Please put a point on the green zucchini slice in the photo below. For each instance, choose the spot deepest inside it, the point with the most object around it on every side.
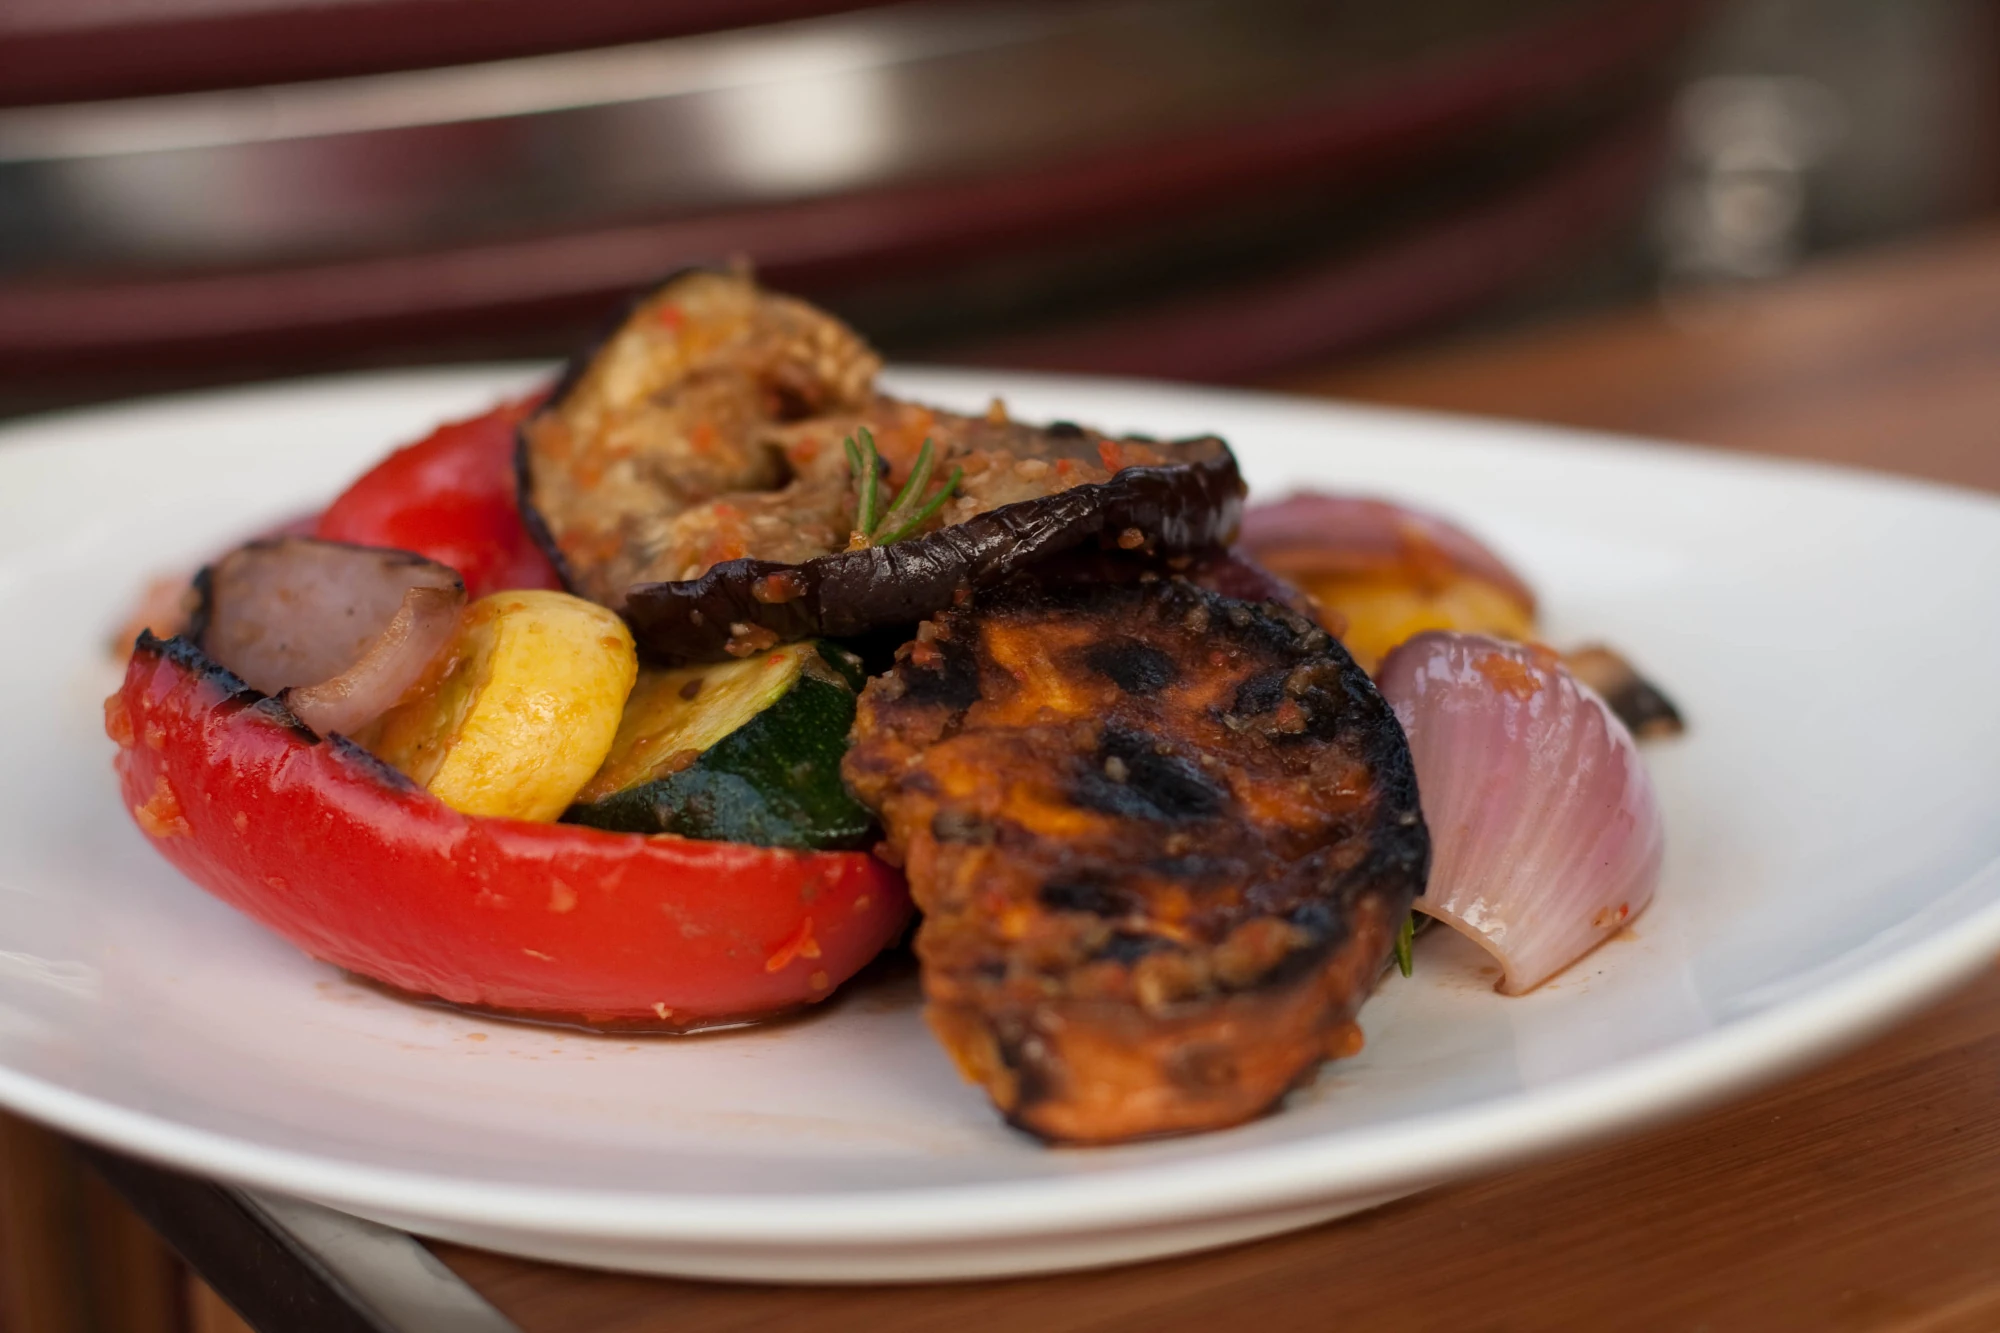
(745, 751)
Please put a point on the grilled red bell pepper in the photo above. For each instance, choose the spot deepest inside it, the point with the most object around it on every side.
(351, 862)
(450, 496)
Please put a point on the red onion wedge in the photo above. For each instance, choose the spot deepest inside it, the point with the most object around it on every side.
(342, 632)
(391, 666)
(1313, 535)
(1545, 831)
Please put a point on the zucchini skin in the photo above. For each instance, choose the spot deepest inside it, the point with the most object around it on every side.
(773, 782)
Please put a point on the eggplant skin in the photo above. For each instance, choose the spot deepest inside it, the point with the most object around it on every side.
(1163, 840)
(689, 471)
(1182, 507)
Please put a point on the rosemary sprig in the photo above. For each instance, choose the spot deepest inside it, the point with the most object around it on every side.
(1406, 938)
(867, 475)
(905, 513)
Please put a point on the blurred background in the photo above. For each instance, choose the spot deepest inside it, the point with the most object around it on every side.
(205, 191)
(1279, 192)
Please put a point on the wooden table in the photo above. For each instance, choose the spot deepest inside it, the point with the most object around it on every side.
(1862, 1197)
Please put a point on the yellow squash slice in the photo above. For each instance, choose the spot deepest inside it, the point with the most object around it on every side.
(523, 708)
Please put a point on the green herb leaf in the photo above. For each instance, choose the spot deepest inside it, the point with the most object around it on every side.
(877, 527)
(931, 506)
(1405, 939)
(913, 489)
(866, 464)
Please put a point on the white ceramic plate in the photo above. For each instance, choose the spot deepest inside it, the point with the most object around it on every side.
(1833, 860)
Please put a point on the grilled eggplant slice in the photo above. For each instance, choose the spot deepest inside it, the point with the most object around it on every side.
(743, 751)
(1163, 840)
(690, 473)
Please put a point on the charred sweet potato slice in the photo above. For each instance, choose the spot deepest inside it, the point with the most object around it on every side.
(1163, 840)
(690, 472)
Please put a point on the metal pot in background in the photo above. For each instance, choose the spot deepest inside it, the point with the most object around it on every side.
(1199, 188)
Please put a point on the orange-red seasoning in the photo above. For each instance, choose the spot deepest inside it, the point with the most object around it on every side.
(783, 586)
(160, 816)
(1508, 676)
(118, 721)
(800, 945)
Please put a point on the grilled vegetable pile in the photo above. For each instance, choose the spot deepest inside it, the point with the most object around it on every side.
(652, 700)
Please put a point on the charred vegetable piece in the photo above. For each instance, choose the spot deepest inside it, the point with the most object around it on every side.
(523, 711)
(1164, 841)
(342, 632)
(289, 611)
(639, 462)
(694, 472)
(743, 751)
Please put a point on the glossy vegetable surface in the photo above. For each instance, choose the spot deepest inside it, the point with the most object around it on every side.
(1547, 830)
(744, 751)
(450, 496)
(524, 711)
(346, 859)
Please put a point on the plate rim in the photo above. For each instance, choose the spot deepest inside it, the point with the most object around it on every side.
(1408, 1153)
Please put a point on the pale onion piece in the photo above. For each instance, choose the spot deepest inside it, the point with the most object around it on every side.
(389, 669)
(1546, 834)
(1313, 535)
(294, 611)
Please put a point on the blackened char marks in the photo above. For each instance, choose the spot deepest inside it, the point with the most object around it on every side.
(949, 678)
(1162, 840)
(1096, 899)
(1136, 668)
(1260, 694)
(1138, 776)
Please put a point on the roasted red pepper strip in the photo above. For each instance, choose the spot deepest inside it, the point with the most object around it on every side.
(349, 861)
(450, 496)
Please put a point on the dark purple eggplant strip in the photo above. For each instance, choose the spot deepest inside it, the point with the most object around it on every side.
(1186, 507)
